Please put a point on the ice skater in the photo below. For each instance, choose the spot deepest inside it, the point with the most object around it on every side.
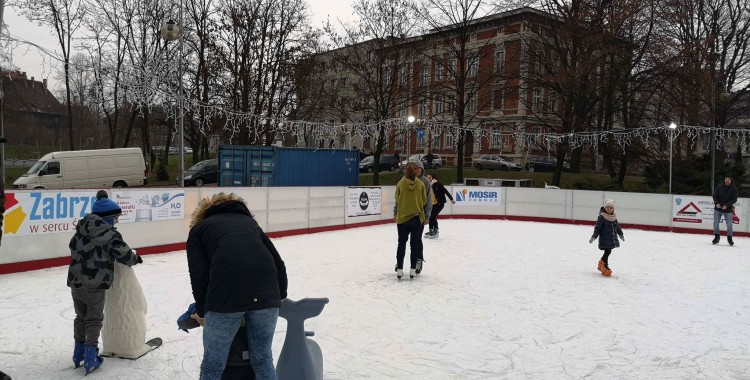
(607, 230)
(439, 194)
(420, 174)
(94, 249)
(409, 213)
(725, 196)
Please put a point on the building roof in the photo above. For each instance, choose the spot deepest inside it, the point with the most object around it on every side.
(24, 94)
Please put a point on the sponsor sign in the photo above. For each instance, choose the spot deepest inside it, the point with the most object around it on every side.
(699, 210)
(476, 196)
(363, 201)
(44, 212)
(150, 205)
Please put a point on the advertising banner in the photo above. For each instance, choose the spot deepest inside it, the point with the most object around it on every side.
(33, 213)
(699, 211)
(150, 205)
(363, 201)
(476, 196)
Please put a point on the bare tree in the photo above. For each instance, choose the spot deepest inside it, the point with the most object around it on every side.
(64, 17)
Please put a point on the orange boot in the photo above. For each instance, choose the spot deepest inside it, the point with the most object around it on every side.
(601, 266)
(606, 271)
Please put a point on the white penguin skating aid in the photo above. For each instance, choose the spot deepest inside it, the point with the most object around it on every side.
(124, 328)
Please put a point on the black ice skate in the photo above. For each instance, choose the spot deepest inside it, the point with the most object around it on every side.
(729, 240)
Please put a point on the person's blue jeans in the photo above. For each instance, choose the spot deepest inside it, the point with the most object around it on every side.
(219, 331)
(717, 220)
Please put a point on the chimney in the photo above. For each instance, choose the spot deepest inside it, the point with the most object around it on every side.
(23, 74)
(32, 82)
(44, 83)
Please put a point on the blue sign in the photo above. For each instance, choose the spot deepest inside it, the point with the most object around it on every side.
(420, 133)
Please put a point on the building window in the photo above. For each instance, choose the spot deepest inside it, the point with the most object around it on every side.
(452, 67)
(471, 103)
(399, 141)
(436, 140)
(495, 140)
(451, 103)
(424, 107)
(401, 107)
(438, 70)
(497, 94)
(500, 61)
(438, 102)
(536, 138)
(424, 78)
(553, 101)
(473, 66)
(449, 140)
(537, 99)
(402, 78)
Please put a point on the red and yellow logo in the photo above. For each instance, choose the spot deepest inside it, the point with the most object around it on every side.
(14, 215)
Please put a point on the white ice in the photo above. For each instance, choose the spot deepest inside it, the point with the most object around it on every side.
(496, 300)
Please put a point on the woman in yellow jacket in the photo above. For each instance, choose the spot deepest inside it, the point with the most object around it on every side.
(411, 196)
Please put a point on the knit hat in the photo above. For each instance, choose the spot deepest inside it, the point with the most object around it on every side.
(105, 207)
(609, 203)
(418, 162)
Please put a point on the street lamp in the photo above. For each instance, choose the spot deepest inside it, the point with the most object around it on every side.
(672, 127)
(170, 32)
(411, 119)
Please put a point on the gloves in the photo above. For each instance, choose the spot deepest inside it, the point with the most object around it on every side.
(138, 260)
(622, 237)
(592, 240)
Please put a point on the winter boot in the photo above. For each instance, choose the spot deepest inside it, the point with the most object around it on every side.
(729, 240)
(78, 354)
(600, 266)
(716, 239)
(412, 273)
(399, 273)
(93, 360)
(419, 266)
(606, 271)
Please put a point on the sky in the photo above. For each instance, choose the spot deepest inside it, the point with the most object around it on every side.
(35, 65)
(496, 300)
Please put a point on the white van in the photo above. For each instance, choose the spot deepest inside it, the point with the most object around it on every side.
(86, 169)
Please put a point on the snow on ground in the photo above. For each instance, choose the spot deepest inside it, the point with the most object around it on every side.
(496, 300)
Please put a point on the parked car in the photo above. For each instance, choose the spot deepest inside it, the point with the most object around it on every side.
(496, 163)
(544, 164)
(387, 162)
(437, 161)
(202, 173)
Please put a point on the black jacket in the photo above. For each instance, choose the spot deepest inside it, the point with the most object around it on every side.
(725, 196)
(607, 232)
(233, 264)
(440, 193)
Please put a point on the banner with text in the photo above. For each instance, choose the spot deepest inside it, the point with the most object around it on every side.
(363, 201)
(476, 196)
(34, 213)
(150, 205)
(699, 210)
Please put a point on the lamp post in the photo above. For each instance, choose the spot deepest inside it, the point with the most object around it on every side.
(672, 127)
(170, 32)
(411, 119)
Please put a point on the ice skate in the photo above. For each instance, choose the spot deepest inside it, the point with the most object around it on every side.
(419, 266)
(399, 273)
(729, 240)
(716, 239)
(412, 273)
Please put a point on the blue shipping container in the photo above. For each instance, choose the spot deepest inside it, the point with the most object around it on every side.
(242, 165)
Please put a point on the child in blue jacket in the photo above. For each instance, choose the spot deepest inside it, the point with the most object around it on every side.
(607, 230)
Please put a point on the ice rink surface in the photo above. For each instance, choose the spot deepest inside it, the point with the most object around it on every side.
(496, 300)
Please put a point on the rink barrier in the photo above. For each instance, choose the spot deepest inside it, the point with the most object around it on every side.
(305, 210)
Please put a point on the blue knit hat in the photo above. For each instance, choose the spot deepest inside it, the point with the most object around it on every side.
(105, 207)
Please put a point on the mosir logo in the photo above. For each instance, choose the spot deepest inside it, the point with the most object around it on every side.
(472, 196)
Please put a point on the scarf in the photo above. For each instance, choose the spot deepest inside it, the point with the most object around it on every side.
(610, 217)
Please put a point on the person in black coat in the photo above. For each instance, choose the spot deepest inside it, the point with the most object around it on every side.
(439, 194)
(725, 196)
(235, 272)
(607, 230)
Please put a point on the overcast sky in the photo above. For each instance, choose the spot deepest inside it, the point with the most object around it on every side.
(36, 65)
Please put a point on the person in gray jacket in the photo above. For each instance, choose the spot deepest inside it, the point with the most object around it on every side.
(94, 248)
(427, 211)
